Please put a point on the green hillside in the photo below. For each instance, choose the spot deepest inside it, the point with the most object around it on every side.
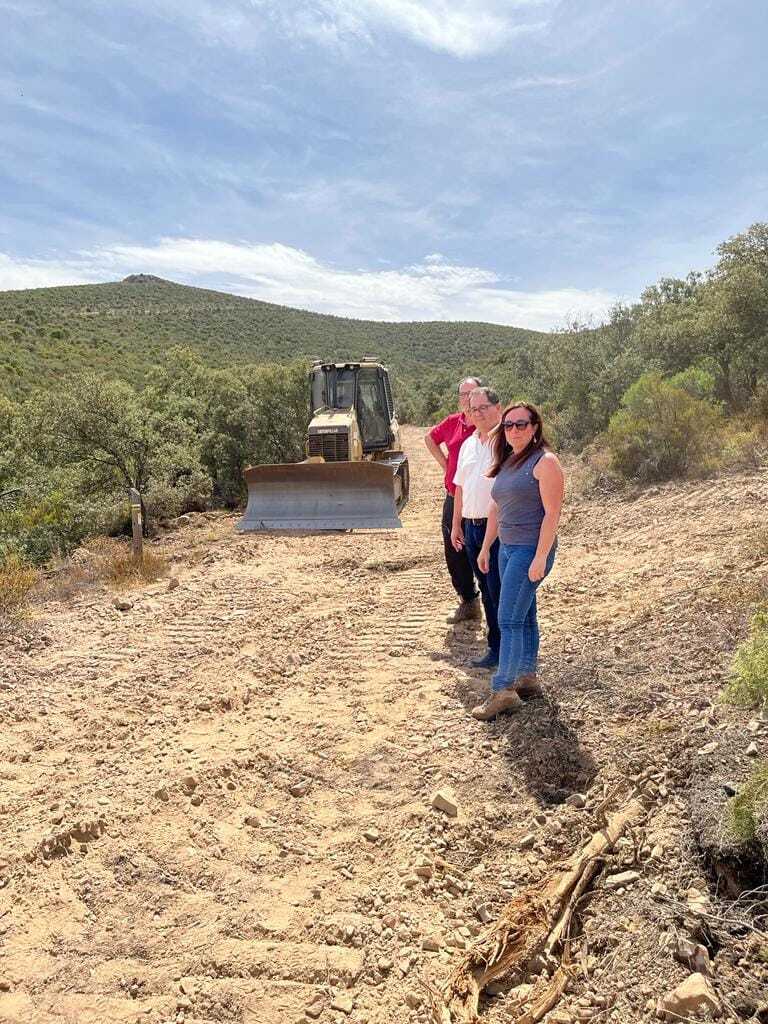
(122, 329)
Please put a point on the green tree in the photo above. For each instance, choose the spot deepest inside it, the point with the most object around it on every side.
(661, 431)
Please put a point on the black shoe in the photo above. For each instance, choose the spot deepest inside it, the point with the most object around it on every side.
(488, 660)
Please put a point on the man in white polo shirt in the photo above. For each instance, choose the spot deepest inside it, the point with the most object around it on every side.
(470, 509)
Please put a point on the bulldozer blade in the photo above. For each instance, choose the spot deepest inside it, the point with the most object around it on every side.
(320, 496)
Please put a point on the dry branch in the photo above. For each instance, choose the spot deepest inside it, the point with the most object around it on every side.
(532, 924)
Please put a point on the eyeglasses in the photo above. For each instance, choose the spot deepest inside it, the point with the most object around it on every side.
(516, 424)
(480, 408)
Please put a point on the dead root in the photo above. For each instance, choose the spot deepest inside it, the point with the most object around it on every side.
(533, 925)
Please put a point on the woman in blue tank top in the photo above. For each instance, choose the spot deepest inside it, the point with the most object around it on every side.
(528, 487)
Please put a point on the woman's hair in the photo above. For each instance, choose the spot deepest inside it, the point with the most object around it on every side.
(503, 453)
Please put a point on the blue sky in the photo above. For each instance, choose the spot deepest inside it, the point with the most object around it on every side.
(517, 161)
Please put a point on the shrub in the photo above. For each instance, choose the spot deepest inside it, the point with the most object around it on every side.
(749, 809)
(17, 578)
(662, 431)
(190, 494)
(748, 684)
(105, 560)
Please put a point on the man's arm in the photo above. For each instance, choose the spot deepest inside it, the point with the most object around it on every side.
(436, 451)
(457, 533)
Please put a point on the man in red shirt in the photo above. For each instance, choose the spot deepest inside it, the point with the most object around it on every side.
(444, 441)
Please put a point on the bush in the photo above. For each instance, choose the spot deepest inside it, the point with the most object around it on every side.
(748, 685)
(103, 560)
(166, 501)
(662, 431)
(17, 578)
(749, 810)
(114, 563)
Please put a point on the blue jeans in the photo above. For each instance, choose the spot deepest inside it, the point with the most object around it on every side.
(489, 583)
(519, 627)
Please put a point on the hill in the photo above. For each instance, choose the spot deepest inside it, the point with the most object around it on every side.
(122, 328)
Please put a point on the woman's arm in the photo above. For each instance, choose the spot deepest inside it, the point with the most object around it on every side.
(549, 473)
(491, 533)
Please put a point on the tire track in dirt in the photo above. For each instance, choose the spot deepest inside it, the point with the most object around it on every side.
(324, 667)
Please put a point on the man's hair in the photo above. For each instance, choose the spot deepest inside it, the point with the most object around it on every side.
(488, 393)
(468, 380)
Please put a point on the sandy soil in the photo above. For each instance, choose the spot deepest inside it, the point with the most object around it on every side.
(215, 805)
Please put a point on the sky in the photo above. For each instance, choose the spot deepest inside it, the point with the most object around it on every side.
(528, 162)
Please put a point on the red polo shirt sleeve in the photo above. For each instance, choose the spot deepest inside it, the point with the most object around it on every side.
(442, 431)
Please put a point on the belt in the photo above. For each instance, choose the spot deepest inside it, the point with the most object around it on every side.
(477, 522)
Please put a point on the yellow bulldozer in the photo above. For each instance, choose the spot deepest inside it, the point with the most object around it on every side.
(355, 475)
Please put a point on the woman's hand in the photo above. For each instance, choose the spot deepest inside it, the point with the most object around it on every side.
(537, 569)
(484, 560)
(457, 537)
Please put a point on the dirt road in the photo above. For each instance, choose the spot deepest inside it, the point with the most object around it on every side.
(215, 804)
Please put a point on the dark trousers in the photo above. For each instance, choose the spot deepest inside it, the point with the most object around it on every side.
(460, 570)
(490, 582)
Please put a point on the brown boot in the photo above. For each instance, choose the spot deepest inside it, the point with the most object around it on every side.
(502, 700)
(528, 685)
(466, 610)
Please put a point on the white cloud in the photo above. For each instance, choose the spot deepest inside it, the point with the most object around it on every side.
(463, 28)
(43, 273)
(432, 289)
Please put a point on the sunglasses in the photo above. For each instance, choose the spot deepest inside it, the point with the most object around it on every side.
(516, 424)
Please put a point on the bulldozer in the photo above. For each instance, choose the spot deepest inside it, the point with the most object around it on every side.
(355, 475)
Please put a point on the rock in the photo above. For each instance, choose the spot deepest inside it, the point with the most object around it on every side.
(172, 583)
(444, 800)
(527, 841)
(622, 880)
(708, 748)
(345, 1004)
(484, 913)
(576, 800)
(694, 996)
(371, 835)
(162, 794)
(752, 750)
(314, 1010)
(299, 789)
(189, 782)
(413, 1000)
(521, 992)
(122, 604)
(693, 955)
(432, 943)
(698, 902)
(5, 985)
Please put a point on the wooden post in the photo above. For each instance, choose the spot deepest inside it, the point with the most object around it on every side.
(136, 525)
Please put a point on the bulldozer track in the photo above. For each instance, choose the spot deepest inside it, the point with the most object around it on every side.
(260, 745)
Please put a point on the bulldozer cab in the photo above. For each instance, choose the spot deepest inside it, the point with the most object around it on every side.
(359, 387)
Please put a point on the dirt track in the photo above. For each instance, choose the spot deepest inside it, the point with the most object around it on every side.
(161, 745)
